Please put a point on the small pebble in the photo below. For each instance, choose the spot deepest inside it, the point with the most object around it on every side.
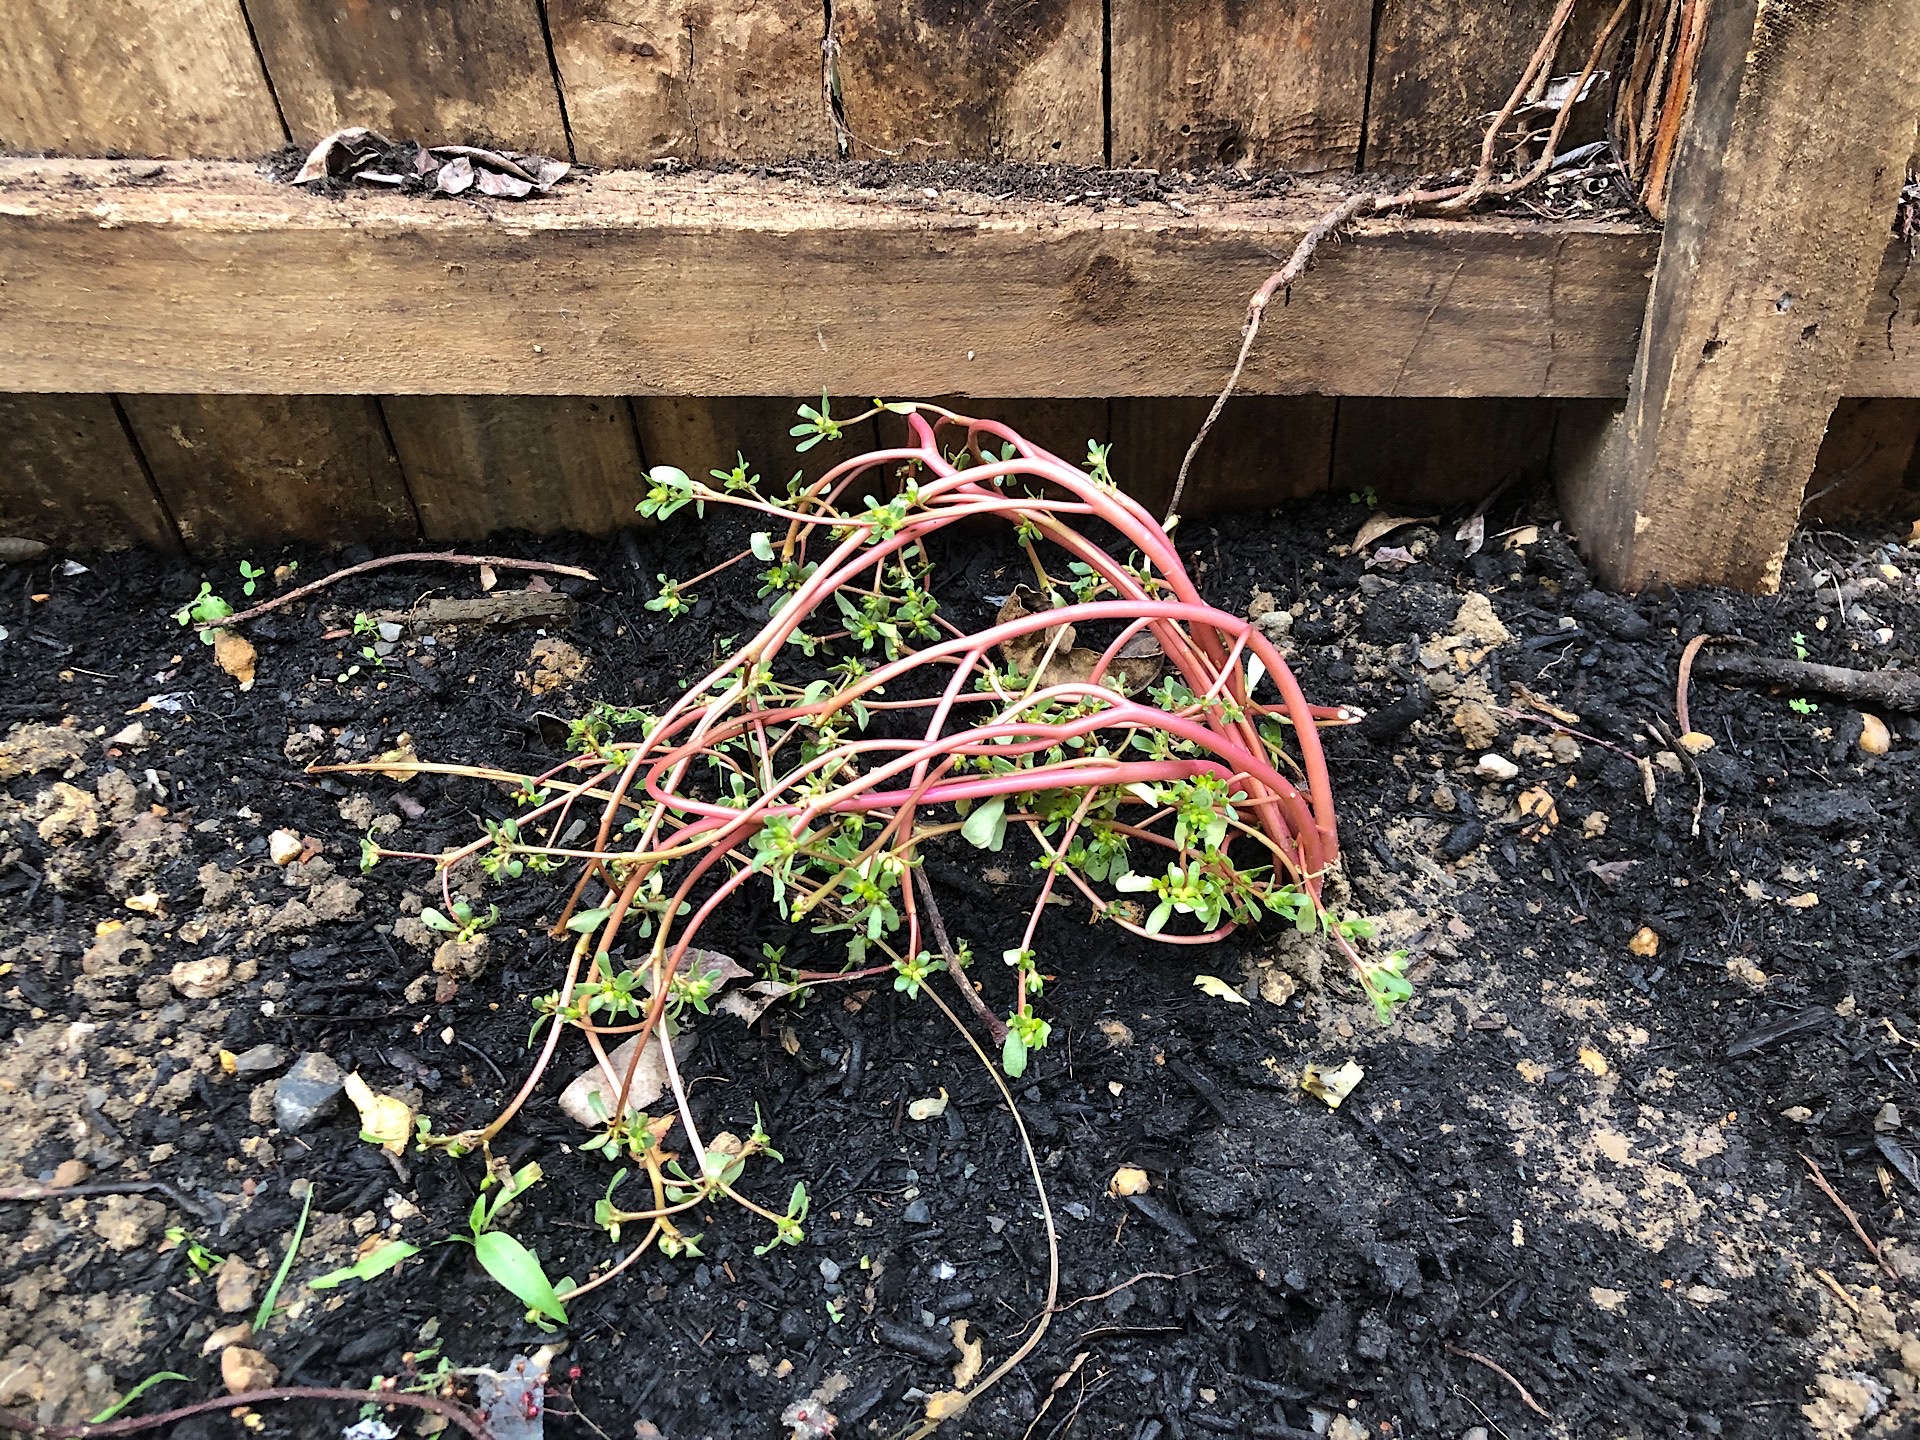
(260, 1060)
(245, 1369)
(1496, 767)
(1888, 1119)
(1874, 736)
(284, 847)
(71, 1172)
(307, 1093)
(829, 1271)
(917, 1213)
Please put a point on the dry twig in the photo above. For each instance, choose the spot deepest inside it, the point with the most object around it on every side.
(455, 1414)
(1826, 1189)
(1526, 1395)
(499, 562)
(1686, 676)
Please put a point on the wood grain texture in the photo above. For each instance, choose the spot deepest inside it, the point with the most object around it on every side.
(69, 476)
(1439, 453)
(693, 80)
(1222, 83)
(237, 470)
(1869, 463)
(700, 434)
(475, 464)
(1783, 189)
(211, 279)
(133, 77)
(1266, 449)
(1443, 68)
(437, 71)
(1017, 81)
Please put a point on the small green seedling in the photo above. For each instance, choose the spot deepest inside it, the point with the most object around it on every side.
(250, 575)
(272, 1297)
(672, 600)
(370, 1266)
(508, 1261)
(1799, 644)
(1803, 706)
(159, 1377)
(198, 1256)
(1367, 497)
(464, 925)
(203, 611)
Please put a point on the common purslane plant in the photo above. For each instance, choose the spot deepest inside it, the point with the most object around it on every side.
(1113, 716)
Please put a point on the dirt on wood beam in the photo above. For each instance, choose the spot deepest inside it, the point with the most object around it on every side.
(207, 278)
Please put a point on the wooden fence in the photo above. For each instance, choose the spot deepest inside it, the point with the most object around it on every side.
(198, 356)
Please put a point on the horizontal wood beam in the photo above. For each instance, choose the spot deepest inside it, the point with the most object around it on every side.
(185, 277)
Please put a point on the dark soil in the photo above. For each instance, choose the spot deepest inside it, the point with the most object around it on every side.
(1577, 1156)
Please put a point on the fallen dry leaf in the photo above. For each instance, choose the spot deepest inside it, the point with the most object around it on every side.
(340, 152)
(927, 1109)
(588, 1100)
(1538, 813)
(235, 655)
(1473, 533)
(972, 1353)
(1137, 666)
(1802, 902)
(1378, 526)
(1331, 1085)
(385, 1120)
(1220, 989)
(488, 579)
(401, 756)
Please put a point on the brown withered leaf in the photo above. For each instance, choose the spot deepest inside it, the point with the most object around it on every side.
(340, 152)
(1378, 526)
(509, 187)
(1138, 664)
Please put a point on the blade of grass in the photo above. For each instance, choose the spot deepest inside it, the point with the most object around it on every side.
(134, 1394)
(267, 1301)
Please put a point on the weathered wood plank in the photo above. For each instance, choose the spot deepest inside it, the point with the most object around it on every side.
(475, 464)
(211, 279)
(1886, 358)
(69, 476)
(1223, 83)
(238, 469)
(700, 434)
(1790, 160)
(1005, 80)
(438, 71)
(1443, 68)
(1869, 463)
(1265, 450)
(693, 80)
(133, 77)
(1439, 452)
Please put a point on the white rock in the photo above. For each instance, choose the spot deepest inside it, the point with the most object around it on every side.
(284, 847)
(1496, 767)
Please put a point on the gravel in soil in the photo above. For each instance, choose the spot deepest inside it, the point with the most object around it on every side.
(1651, 978)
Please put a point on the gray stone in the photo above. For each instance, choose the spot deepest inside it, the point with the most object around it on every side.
(307, 1093)
(829, 1271)
(260, 1060)
(916, 1213)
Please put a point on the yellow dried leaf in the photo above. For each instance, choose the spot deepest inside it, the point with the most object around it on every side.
(385, 1120)
(930, 1107)
(972, 1353)
(1129, 1180)
(402, 758)
(1220, 989)
(1331, 1085)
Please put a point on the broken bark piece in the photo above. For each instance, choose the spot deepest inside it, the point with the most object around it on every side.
(503, 607)
(1893, 689)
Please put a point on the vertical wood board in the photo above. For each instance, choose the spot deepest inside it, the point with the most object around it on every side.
(174, 78)
(1265, 450)
(243, 469)
(1222, 83)
(1443, 68)
(692, 80)
(437, 71)
(1014, 81)
(69, 476)
(475, 464)
(1791, 157)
